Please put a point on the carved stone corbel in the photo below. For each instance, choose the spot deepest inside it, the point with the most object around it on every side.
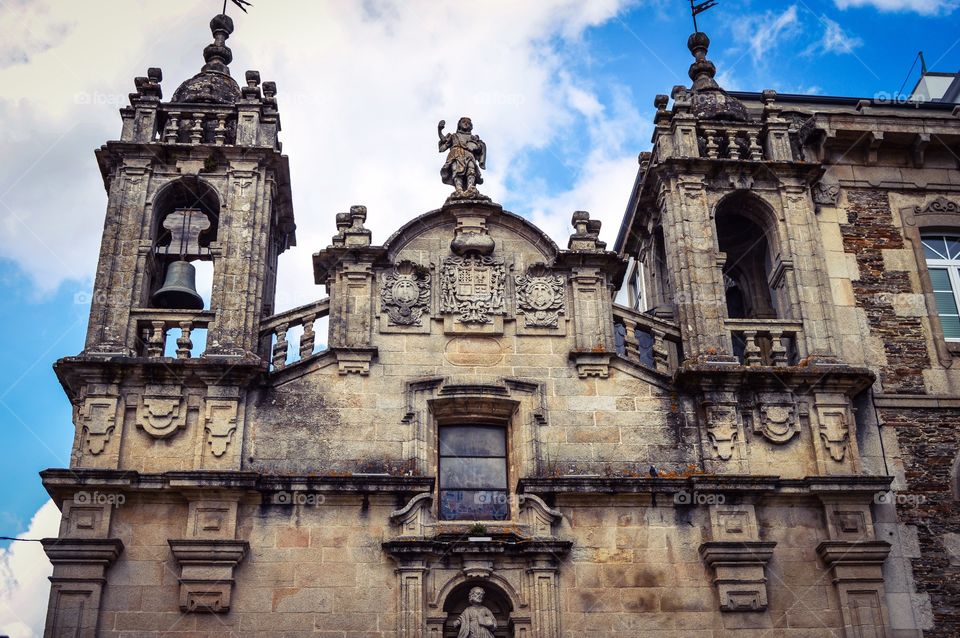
(739, 572)
(206, 572)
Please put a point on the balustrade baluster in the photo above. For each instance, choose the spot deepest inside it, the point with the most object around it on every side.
(778, 352)
(756, 153)
(280, 347)
(733, 151)
(220, 134)
(661, 356)
(184, 343)
(751, 352)
(171, 132)
(196, 130)
(307, 340)
(158, 339)
(630, 339)
(712, 148)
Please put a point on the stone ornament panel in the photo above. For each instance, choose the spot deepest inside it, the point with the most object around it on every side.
(98, 418)
(541, 297)
(161, 412)
(405, 294)
(473, 287)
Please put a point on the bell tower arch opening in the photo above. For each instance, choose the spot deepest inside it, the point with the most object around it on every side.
(746, 235)
(186, 219)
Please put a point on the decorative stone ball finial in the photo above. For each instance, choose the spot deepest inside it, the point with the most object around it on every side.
(586, 233)
(350, 229)
(218, 55)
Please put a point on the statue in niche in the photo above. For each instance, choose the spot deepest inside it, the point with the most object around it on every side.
(476, 621)
(467, 155)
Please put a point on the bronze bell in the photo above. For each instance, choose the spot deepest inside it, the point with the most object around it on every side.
(179, 289)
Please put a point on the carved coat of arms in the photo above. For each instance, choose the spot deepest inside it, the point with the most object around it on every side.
(472, 286)
(405, 293)
(540, 296)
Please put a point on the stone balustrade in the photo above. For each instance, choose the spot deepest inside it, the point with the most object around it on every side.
(154, 326)
(737, 141)
(198, 125)
(647, 340)
(273, 330)
(767, 342)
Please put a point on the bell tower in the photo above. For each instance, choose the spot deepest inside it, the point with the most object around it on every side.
(200, 178)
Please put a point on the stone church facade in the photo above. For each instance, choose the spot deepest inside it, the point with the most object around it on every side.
(765, 445)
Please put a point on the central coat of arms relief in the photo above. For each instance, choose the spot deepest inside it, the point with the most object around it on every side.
(473, 287)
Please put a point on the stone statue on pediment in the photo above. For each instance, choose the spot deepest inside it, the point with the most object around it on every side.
(467, 155)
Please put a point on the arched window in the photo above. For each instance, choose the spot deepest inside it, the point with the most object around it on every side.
(473, 473)
(942, 253)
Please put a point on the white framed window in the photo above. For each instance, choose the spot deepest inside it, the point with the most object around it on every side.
(942, 252)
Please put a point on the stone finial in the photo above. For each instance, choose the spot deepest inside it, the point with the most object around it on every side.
(661, 101)
(586, 233)
(710, 102)
(218, 55)
(149, 87)
(270, 90)
(213, 85)
(252, 90)
(350, 229)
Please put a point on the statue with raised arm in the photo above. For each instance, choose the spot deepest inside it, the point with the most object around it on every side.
(476, 621)
(467, 155)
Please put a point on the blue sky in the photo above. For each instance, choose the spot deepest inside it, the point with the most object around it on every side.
(562, 92)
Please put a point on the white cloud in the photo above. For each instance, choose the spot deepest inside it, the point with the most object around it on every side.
(24, 569)
(834, 39)
(361, 88)
(923, 7)
(765, 31)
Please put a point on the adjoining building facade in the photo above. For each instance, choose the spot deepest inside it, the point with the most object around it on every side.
(484, 443)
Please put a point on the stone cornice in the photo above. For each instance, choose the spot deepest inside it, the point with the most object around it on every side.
(743, 484)
(76, 372)
(63, 483)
